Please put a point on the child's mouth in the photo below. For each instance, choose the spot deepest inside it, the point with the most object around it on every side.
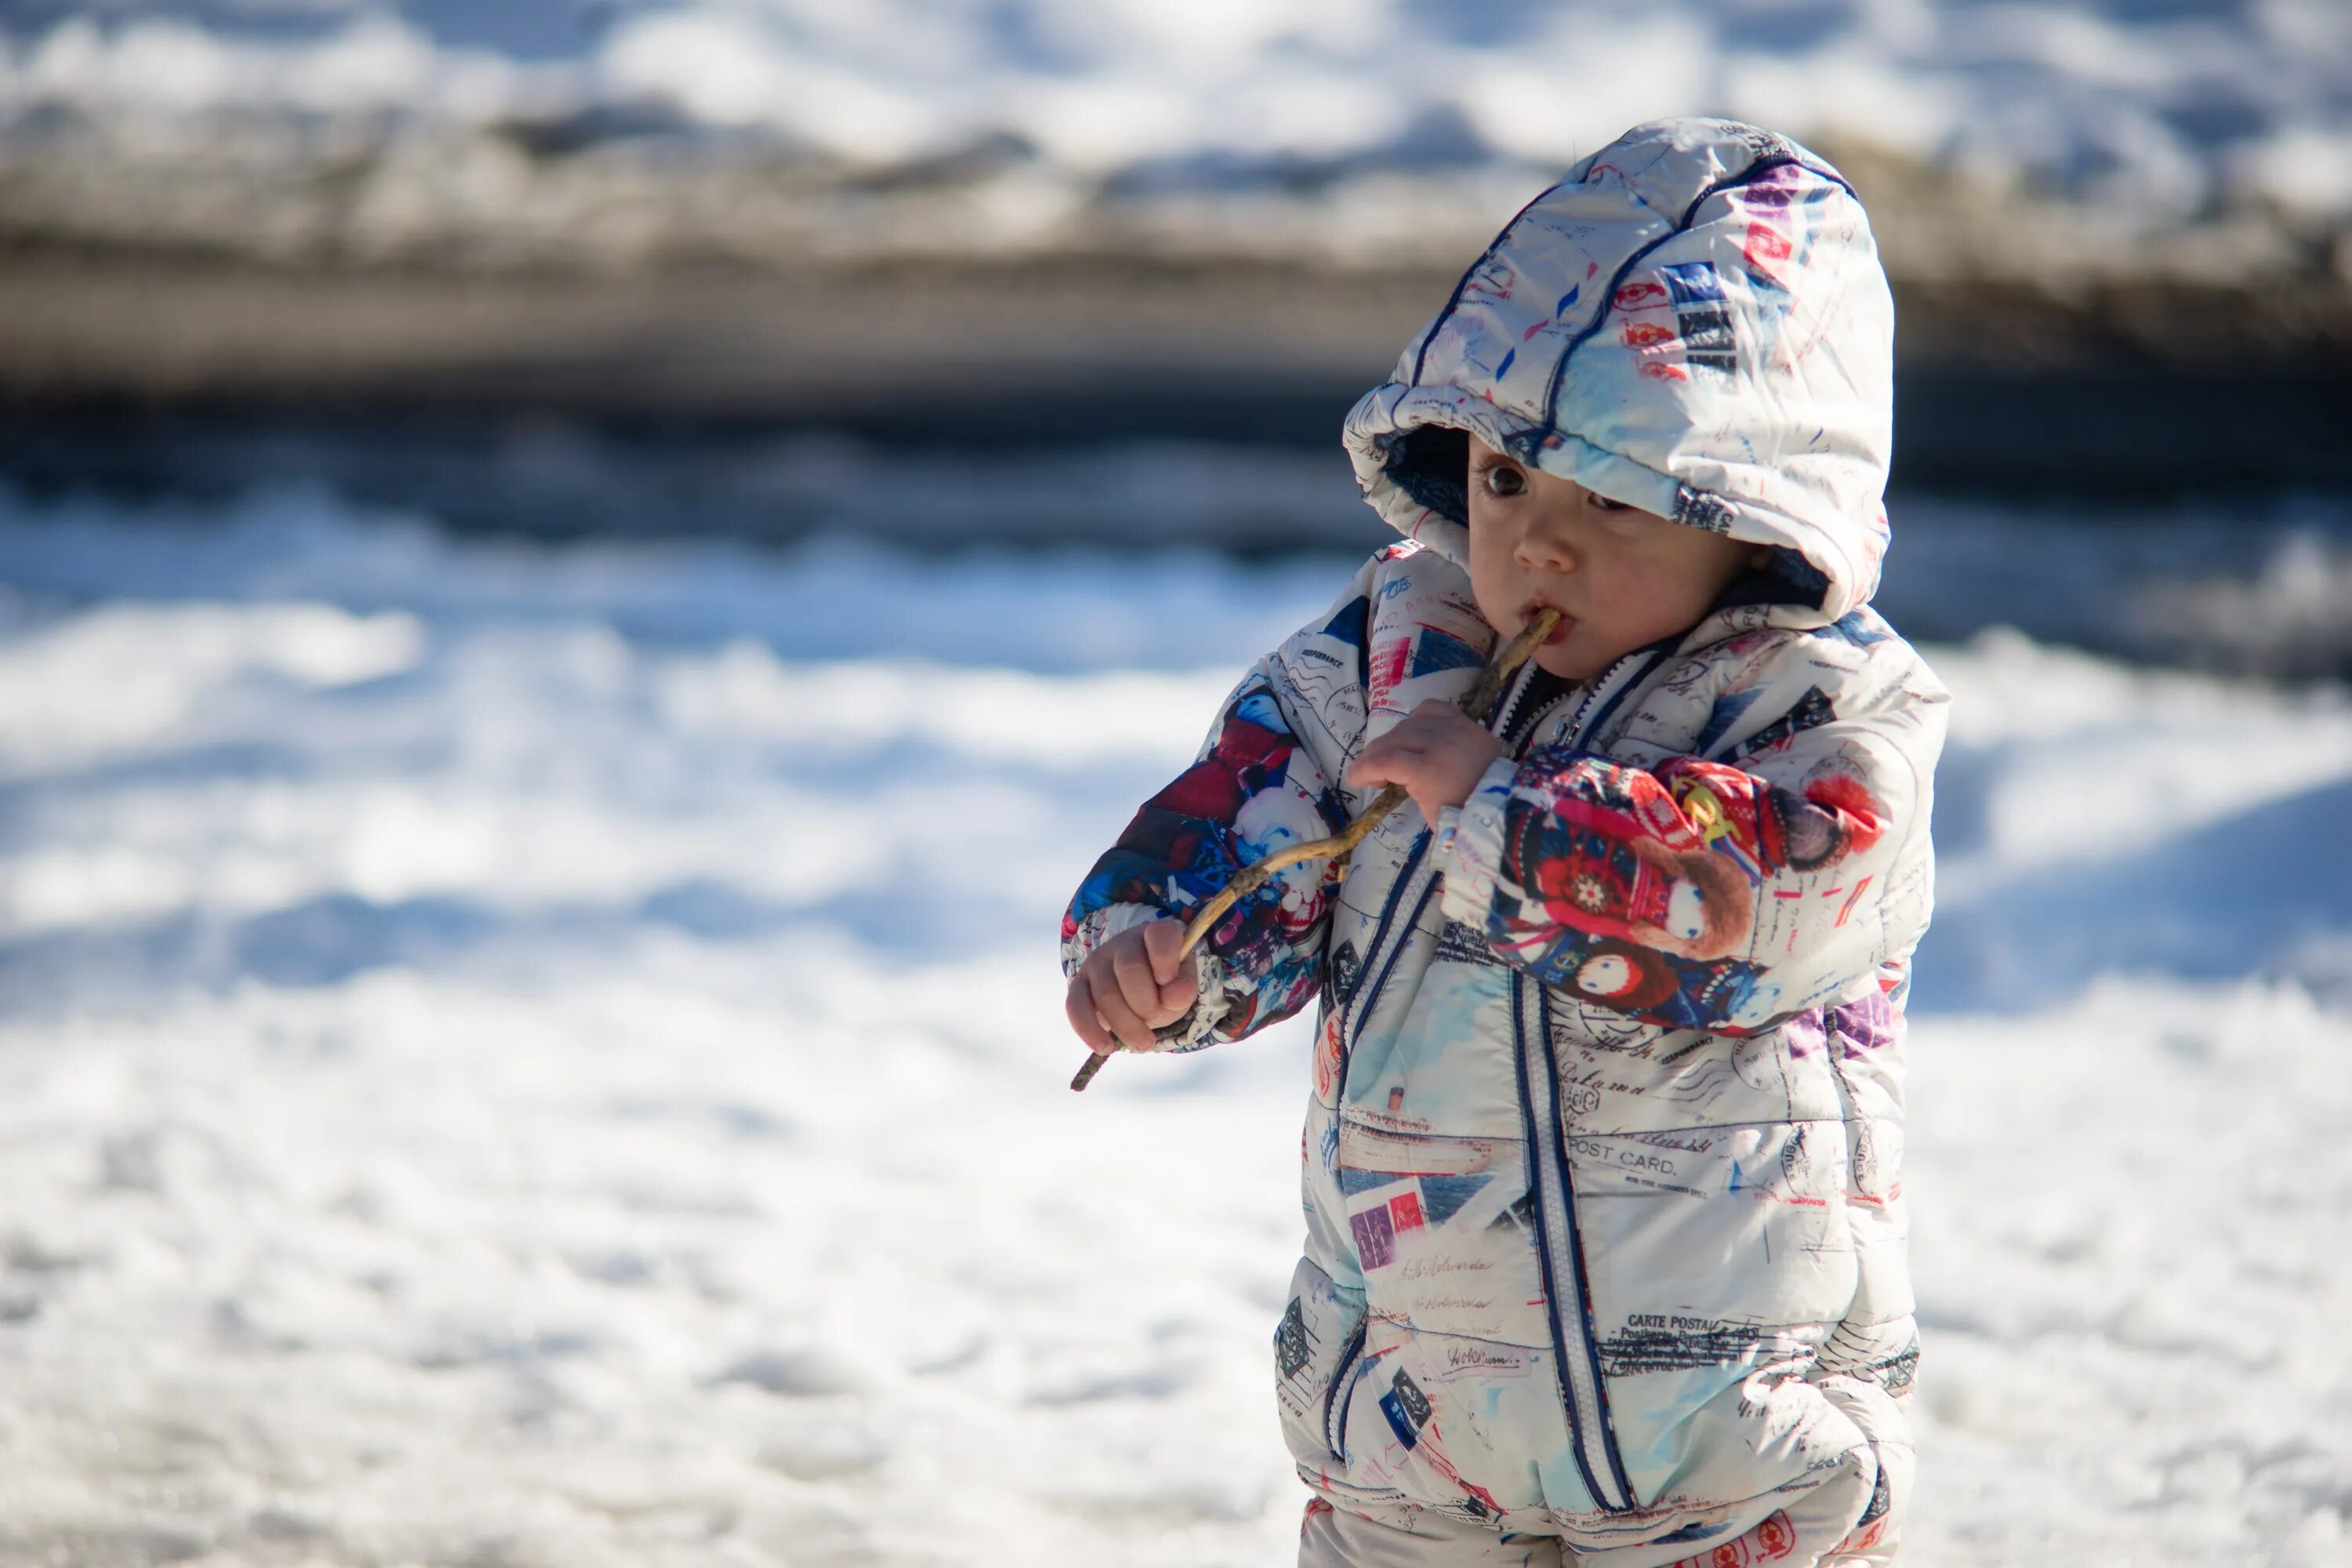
(1559, 632)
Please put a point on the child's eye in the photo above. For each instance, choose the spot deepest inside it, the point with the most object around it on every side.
(1502, 479)
(1625, 522)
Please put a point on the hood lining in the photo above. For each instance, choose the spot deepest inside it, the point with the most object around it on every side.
(1431, 463)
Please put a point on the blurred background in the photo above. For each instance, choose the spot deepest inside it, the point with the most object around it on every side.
(580, 579)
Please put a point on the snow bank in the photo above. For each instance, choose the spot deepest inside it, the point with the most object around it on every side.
(552, 1056)
(1367, 124)
(2151, 105)
(2257, 586)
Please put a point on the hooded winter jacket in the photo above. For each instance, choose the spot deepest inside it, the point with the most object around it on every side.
(1604, 1227)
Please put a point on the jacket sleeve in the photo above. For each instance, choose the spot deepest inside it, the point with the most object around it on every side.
(1267, 778)
(1722, 896)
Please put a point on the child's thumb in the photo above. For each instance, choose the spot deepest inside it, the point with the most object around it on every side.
(1163, 942)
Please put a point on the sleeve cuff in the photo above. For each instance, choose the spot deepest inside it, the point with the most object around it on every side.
(1470, 845)
(1099, 927)
(1198, 1029)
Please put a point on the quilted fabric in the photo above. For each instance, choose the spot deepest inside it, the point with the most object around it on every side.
(1604, 1220)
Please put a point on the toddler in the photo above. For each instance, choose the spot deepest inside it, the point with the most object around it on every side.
(1604, 1256)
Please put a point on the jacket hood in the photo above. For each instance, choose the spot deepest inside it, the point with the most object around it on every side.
(1693, 321)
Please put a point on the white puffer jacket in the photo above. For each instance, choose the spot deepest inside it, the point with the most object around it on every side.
(1604, 1221)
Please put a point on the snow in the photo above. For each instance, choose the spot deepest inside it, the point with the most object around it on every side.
(2129, 1238)
(2162, 107)
(535, 1055)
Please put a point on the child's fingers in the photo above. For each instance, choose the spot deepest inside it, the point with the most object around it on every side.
(1172, 969)
(1080, 1004)
(1177, 993)
(1121, 1020)
(1162, 942)
(1408, 769)
(1176, 998)
(1138, 987)
(1385, 762)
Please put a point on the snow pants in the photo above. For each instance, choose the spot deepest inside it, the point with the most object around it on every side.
(1334, 1538)
(1827, 1525)
(1417, 1538)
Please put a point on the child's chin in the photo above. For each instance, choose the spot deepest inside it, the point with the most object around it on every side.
(1566, 661)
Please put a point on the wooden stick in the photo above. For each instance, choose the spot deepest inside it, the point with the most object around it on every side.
(1258, 873)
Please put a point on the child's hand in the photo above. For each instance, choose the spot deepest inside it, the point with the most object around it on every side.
(1131, 986)
(1437, 752)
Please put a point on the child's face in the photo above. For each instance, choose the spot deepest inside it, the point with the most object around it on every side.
(1622, 578)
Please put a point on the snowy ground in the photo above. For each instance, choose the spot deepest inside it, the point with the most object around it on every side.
(2203, 141)
(519, 1058)
(2164, 105)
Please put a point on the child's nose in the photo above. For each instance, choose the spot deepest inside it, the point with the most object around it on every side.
(1544, 552)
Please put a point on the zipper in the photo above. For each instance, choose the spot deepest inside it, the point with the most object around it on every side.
(1378, 965)
(1428, 880)
(1579, 723)
(1370, 980)
(1575, 727)
(1567, 1295)
(1335, 1407)
(1592, 1436)
(1591, 1430)
(1512, 697)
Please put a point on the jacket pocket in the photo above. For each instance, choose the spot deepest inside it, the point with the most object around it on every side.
(1316, 1347)
(1336, 1396)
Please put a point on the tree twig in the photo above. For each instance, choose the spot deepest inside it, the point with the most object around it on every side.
(1258, 873)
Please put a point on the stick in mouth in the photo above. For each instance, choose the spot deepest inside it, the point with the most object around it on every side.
(1258, 873)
